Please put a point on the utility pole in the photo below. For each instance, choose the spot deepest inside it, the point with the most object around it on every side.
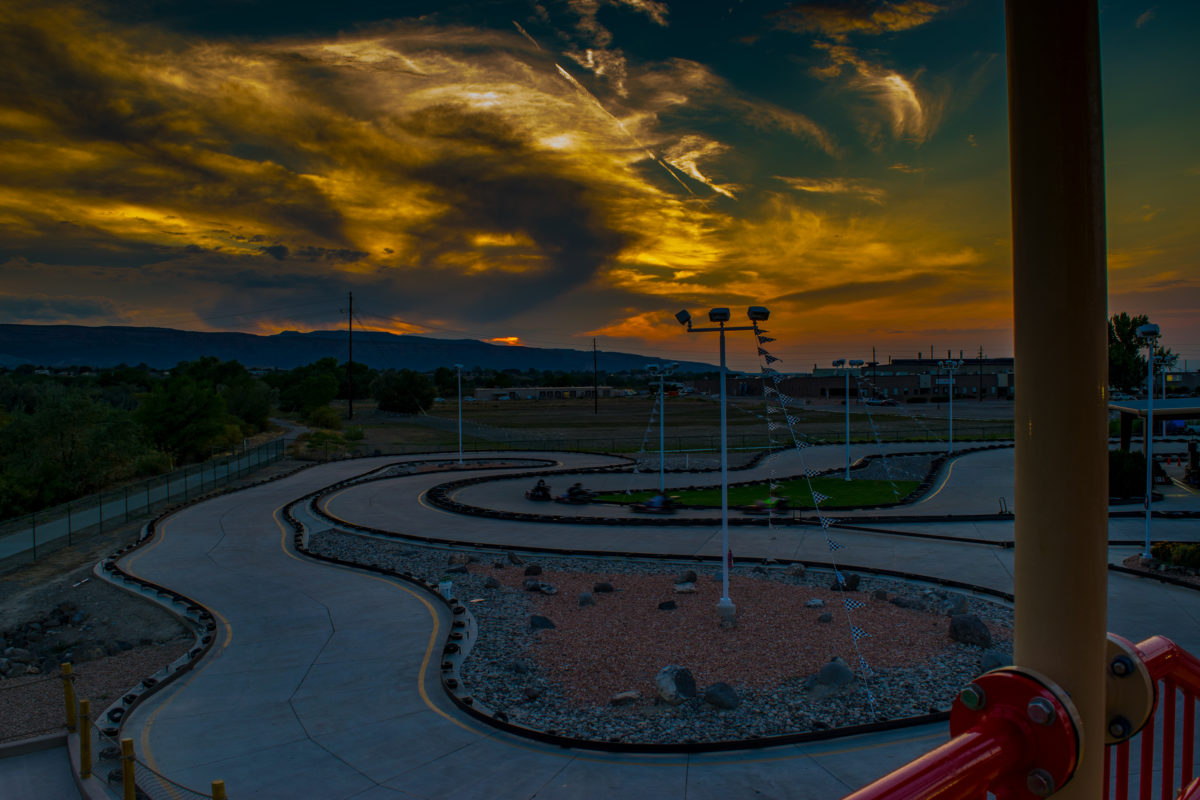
(981, 373)
(595, 380)
(350, 363)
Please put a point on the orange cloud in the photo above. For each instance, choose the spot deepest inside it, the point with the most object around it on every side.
(512, 340)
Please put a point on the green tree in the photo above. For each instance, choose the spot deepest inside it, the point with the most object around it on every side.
(403, 391)
(184, 417)
(445, 380)
(1126, 364)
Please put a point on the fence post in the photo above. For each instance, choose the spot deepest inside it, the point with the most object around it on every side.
(127, 778)
(85, 739)
(68, 681)
(218, 790)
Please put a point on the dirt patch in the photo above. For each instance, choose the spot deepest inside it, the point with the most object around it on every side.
(1151, 570)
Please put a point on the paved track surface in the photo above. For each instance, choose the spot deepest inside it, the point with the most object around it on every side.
(321, 684)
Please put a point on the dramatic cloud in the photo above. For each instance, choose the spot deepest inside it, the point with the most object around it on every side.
(839, 19)
(846, 186)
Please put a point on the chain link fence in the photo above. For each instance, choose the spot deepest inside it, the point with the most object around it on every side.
(26, 539)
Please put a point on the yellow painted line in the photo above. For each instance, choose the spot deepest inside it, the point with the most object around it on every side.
(147, 752)
(945, 480)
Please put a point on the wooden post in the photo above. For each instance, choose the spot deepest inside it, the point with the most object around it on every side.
(85, 739)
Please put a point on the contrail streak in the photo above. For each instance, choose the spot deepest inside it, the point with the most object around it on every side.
(525, 33)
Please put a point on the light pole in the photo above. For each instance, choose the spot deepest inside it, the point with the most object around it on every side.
(854, 362)
(1149, 334)
(726, 610)
(661, 370)
(951, 367)
(458, 370)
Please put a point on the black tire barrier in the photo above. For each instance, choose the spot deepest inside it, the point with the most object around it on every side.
(115, 714)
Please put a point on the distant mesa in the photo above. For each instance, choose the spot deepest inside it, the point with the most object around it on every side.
(162, 348)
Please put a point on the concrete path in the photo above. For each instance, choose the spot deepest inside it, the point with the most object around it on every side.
(323, 681)
(40, 775)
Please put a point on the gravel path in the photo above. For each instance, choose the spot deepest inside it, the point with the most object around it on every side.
(563, 679)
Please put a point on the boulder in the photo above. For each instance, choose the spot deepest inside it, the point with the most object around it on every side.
(547, 588)
(850, 585)
(954, 605)
(759, 570)
(602, 587)
(533, 569)
(586, 599)
(513, 558)
(826, 617)
(687, 576)
(901, 601)
(5, 666)
(685, 588)
(18, 654)
(491, 583)
(668, 605)
(540, 623)
(624, 698)
(879, 594)
(723, 696)
(994, 659)
(970, 629)
(814, 602)
(836, 673)
(675, 684)
(795, 571)
(532, 693)
(533, 585)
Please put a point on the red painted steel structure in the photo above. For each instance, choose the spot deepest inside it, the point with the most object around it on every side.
(994, 754)
(1176, 674)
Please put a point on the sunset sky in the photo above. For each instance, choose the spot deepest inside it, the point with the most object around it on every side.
(547, 172)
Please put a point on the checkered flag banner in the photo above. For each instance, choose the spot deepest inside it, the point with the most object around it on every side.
(770, 371)
(773, 409)
(769, 390)
(775, 486)
(833, 548)
(792, 420)
(866, 669)
(770, 359)
(853, 604)
(857, 633)
(763, 352)
(827, 521)
(812, 472)
(774, 426)
(764, 339)
(819, 498)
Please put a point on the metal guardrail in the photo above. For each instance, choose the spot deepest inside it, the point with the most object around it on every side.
(32, 536)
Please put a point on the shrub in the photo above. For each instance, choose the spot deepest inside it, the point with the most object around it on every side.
(354, 433)
(1182, 554)
(324, 417)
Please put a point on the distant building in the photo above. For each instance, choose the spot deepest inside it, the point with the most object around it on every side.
(546, 393)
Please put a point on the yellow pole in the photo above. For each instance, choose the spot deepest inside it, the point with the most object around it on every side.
(85, 739)
(1060, 316)
(127, 778)
(68, 681)
(218, 790)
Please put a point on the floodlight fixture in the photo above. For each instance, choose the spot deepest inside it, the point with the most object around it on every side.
(856, 362)
(1147, 331)
(718, 315)
(758, 314)
(684, 317)
(841, 362)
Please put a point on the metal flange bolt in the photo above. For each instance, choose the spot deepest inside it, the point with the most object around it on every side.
(1119, 728)
(1121, 666)
(1040, 711)
(1040, 783)
(973, 697)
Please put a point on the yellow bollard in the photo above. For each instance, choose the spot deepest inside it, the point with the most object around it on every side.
(68, 679)
(85, 739)
(127, 781)
(218, 790)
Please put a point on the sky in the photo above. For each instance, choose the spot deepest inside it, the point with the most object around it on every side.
(546, 173)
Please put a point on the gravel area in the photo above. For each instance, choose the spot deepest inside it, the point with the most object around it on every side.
(563, 679)
(34, 704)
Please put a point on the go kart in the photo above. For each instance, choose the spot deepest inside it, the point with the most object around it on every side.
(775, 506)
(539, 493)
(667, 507)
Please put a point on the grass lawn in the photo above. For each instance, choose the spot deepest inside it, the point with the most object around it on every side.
(840, 493)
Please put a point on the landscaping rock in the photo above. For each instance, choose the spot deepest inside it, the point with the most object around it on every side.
(533, 569)
(836, 673)
(687, 576)
(795, 571)
(533, 585)
(675, 684)
(491, 583)
(685, 588)
(969, 629)
(586, 599)
(669, 605)
(602, 587)
(624, 698)
(759, 570)
(532, 693)
(851, 583)
(458, 569)
(815, 602)
(540, 623)
(723, 696)
(994, 659)
(513, 558)
(547, 588)
(900, 601)
(826, 617)
(879, 594)
(954, 605)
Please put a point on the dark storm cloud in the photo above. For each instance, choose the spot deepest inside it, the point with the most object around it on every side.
(858, 291)
(39, 307)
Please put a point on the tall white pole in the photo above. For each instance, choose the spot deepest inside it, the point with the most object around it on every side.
(1149, 434)
(460, 443)
(951, 450)
(847, 397)
(662, 446)
(725, 608)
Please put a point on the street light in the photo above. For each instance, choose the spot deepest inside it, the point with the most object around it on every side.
(661, 370)
(1149, 334)
(854, 362)
(458, 369)
(950, 367)
(725, 607)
